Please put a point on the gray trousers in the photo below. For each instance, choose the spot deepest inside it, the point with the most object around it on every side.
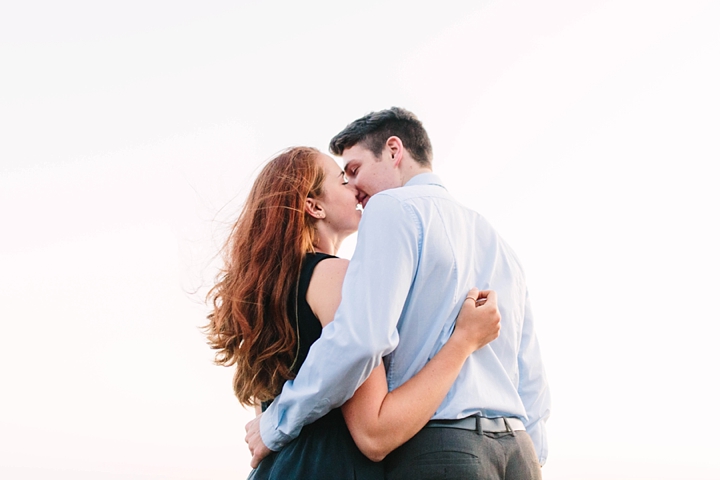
(451, 453)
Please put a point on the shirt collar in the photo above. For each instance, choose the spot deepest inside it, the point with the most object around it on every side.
(425, 179)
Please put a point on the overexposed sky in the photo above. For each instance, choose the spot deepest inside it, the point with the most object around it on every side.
(585, 131)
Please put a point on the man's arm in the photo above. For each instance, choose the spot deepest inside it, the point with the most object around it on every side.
(533, 385)
(374, 292)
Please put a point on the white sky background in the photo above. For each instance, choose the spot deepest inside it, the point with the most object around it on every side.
(585, 131)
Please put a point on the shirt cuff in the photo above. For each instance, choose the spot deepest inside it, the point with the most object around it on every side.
(273, 438)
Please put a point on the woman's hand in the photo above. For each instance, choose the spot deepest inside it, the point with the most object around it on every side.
(479, 320)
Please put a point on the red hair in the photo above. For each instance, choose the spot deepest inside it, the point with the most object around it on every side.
(249, 325)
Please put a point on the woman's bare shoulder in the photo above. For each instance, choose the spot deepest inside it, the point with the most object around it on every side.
(325, 289)
(330, 268)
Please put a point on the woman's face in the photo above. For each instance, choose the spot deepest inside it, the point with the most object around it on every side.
(339, 199)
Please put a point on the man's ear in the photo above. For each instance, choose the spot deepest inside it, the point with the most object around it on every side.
(396, 148)
(314, 208)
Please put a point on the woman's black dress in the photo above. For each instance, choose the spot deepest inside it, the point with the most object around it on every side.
(324, 449)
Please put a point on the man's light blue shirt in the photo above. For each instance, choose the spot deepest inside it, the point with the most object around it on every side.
(417, 255)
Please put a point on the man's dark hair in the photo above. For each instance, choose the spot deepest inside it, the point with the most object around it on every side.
(373, 130)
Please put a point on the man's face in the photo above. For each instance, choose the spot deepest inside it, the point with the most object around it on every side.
(368, 174)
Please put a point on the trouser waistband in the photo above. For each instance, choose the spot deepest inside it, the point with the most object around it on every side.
(481, 424)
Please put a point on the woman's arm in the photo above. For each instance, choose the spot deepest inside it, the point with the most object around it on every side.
(381, 421)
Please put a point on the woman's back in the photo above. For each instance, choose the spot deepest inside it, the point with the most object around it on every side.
(325, 449)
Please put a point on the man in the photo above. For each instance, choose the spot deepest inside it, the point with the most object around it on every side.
(418, 252)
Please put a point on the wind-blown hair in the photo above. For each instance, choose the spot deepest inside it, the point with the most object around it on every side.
(249, 324)
(373, 130)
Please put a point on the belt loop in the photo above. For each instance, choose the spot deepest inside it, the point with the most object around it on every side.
(508, 427)
(478, 424)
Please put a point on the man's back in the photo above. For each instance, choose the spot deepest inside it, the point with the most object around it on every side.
(455, 248)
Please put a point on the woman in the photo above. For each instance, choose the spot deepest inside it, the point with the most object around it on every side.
(281, 284)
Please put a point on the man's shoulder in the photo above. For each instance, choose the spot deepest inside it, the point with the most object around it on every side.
(414, 193)
(385, 201)
(395, 202)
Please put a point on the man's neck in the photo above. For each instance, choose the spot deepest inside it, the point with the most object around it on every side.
(413, 172)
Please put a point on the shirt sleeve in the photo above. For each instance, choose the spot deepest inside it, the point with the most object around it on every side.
(533, 385)
(374, 292)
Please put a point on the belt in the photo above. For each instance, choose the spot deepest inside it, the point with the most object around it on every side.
(500, 424)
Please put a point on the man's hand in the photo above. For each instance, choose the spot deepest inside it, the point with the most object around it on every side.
(258, 450)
